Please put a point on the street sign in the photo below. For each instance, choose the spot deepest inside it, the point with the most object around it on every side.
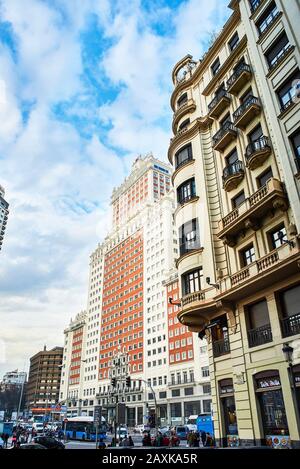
(97, 414)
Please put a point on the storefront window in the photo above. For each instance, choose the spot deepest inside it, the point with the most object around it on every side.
(272, 409)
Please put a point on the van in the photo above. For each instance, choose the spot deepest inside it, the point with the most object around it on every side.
(182, 431)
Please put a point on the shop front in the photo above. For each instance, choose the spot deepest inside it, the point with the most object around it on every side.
(227, 401)
(272, 409)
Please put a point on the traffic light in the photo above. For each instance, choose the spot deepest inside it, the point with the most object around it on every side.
(113, 382)
(128, 381)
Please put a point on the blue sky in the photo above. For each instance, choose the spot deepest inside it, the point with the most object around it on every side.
(84, 89)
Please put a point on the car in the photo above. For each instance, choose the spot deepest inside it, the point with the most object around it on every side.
(32, 446)
(49, 442)
(39, 427)
(182, 431)
(122, 432)
(163, 430)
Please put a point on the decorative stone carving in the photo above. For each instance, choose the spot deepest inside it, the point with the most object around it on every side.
(280, 204)
(252, 223)
(229, 241)
(292, 229)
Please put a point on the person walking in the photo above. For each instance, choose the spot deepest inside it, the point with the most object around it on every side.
(203, 437)
(130, 441)
(101, 444)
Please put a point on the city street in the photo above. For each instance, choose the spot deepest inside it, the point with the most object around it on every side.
(137, 439)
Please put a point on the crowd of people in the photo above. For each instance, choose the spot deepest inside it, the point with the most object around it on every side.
(194, 438)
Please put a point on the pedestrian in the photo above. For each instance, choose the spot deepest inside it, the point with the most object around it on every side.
(146, 439)
(6, 438)
(196, 440)
(172, 442)
(209, 440)
(130, 441)
(190, 439)
(14, 439)
(159, 439)
(203, 437)
(121, 443)
(101, 444)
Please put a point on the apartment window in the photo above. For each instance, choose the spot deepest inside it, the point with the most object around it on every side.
(191, 281)
(163, 395)
(232, 157)
(247, 255)
(278, 237)
(288, 93)
(238, 200)
(215, 66)
(188, 391)
(254, 4)
(259, 328)
(205, 371)
(277, 50)
(189, 236)
(184, 124)
(233, 42)
(267, 18)
(182, 100)
(295, 140)
(183, 155)
(206, 389)
(186, 191)
(175, 392)
(206, 406)
(255, 134)
(226, 119)
(264, 177)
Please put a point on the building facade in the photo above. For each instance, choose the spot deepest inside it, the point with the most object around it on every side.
(235, 154)
(42, 390)
(3, 215)
(127, 311)
(14, 377)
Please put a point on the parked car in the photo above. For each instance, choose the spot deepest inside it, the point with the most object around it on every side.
(49, 442)
(182, 432)
(32, 446)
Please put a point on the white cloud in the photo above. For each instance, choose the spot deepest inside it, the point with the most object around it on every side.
(57, 182)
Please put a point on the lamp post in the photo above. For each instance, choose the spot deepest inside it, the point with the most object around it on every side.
(155, 404)
(288, 355)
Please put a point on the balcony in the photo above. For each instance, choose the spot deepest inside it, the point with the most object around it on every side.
(257, 152)
(246, 112)
(220, 347)
(191, 297)
(290, 325)
(197, 307)
(233, 174)
(260, 335)
(226, 134)
(239, 78)
(186, 107)
(249, 214)
(219, 103)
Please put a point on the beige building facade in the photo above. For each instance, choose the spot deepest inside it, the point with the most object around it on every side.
(236, 155)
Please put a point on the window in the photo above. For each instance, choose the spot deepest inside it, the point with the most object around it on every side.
(233, 42)
(226, 119)
(289, 91)
(184, 124)
(182, 100)
(247, 255)
(278, 237)
(232, 157)
(264, 177)
(295, 140)
(255, 134)
(259, 329)
(162, 395)
(254, 4)
(206, 389)
(277, 50)
(188, 391)
(206, 406)
(267, 18)
(189, 236)
(186, 191)
(289, 300)
(205, 371)
(238, 200)
(175, 392)
(191, 281)
(215, 66)
(183, 155)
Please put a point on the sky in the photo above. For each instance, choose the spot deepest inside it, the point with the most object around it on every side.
(85, 87)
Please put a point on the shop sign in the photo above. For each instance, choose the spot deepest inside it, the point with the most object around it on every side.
(233, 441)
(268, 382)
(278, 441)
